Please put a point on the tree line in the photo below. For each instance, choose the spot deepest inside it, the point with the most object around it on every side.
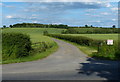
(37, 25)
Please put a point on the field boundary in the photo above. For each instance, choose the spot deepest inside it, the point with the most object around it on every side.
(36, 57)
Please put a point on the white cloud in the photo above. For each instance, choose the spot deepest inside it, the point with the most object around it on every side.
(98, 21)
(35, 21)
(107, 4)
(114, 19)
(89, 10)
(56, 23)
(105, 13)
(93, 15)
(9, 16)
(114, 8)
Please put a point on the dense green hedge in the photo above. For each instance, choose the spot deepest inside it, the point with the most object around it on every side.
(105, 51)
(108, 52)
(90, 31)
(15, 45)
(77, 39)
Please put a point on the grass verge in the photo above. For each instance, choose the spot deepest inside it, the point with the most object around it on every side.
(34, 57)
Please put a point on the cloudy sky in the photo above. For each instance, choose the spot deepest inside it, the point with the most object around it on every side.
(70, 13)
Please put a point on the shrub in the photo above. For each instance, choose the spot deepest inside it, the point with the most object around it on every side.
(40, 47)
(45, 32)
(15, 45)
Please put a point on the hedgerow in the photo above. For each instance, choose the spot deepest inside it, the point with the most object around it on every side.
(108, 52)
(15, 45)
(105, 51)
(77, 39)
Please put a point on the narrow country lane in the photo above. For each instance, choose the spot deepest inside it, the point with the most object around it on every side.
(68, 63)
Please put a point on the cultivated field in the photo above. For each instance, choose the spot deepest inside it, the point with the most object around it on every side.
(98, 36)
(36, 34)
(34, 30)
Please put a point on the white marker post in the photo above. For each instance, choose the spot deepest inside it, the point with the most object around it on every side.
(109, 42)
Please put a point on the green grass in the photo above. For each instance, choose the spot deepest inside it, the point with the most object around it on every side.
(0, 45)
(99, 36)
(36, 35)
(34, 30)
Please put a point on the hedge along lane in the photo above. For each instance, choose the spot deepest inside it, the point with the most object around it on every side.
(15, 45)
(17, 48)
(105, 51)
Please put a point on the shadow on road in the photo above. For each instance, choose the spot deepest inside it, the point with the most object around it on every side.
(109, 70)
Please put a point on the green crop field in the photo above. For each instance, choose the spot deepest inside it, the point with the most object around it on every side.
(34, 30)
(82, 30)
(99, 36)
(35, 33)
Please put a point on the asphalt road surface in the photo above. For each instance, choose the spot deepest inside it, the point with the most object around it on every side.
(68, 63)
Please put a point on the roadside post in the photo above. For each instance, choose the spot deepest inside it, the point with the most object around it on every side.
(99, 44)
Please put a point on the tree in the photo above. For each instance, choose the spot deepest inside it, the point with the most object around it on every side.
(45, 32)
(91, 26)
(62, 32)
(86, 25)
(10, 26)
(113, 26)
(4, 26)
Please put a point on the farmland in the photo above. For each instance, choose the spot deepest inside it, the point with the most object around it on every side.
(35, 33)
(34, 30)
(35, 36)
(98, 36)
